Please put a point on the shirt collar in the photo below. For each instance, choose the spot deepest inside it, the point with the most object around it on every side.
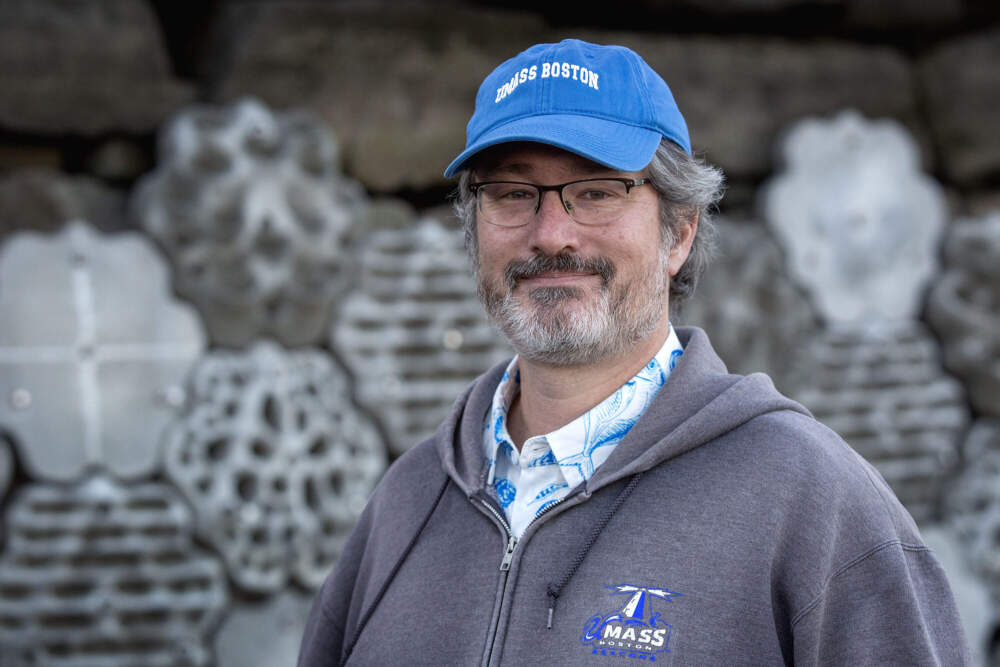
(582, 444)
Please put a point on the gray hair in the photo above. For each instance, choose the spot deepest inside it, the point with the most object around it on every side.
(688, 187)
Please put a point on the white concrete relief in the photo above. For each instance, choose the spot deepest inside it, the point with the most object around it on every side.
(750, 308)
(6, 466)
(93, 351)
(253, 210)
(974, 503)
(263, 634)
(413, 333)
(276, 461)
(101, 573)
(964, 309)
(861, 225)
(859, 221)
(885, 393)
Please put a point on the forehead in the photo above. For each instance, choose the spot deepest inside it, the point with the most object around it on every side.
(523, 158)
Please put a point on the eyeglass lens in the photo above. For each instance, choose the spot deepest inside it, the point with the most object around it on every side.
(590, 202)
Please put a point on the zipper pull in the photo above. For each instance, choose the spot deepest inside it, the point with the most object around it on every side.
(509, 554)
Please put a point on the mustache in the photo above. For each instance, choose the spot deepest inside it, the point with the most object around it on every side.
(520, 269)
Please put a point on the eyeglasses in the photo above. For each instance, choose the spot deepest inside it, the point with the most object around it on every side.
(591, 201)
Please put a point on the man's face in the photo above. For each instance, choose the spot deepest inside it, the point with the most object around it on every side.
(566, 293)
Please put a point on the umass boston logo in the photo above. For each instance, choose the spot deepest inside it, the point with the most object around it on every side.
(635, 630)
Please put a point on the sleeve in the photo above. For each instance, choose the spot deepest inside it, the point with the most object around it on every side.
(889, 606)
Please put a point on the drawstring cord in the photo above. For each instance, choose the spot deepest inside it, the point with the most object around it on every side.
(553, 590)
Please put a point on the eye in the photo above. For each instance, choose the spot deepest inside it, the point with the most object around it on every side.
(518, 194)
(509, 192)
(595, 194)
(598, 191)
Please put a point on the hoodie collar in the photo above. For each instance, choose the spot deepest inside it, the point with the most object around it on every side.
(700, 402)
(582, 445)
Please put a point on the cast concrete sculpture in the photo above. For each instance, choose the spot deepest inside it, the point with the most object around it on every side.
(974, 502)
(860, 226)
(979, 612)
(973, 511)
(859, 222)
(276, 462)
(93, 351)
(750, 308)
(263, 634)
(414, 333)
(885, 393)
(6, 467)
(101, 573)
(964, 309)
(252, 210)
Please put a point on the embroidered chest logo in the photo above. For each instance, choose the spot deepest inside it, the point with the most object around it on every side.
(636, 630)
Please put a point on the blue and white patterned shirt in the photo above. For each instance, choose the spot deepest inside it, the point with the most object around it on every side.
(549, 466)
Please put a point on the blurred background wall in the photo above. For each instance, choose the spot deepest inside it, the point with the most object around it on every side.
(232, 291)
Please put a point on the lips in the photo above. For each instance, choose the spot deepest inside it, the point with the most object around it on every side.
(559, 268)
(558, 275)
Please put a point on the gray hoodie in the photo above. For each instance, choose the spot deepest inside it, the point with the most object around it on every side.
(727, 528)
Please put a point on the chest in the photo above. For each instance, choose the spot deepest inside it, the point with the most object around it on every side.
(659, 584)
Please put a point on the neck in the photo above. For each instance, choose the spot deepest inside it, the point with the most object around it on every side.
(553, 396)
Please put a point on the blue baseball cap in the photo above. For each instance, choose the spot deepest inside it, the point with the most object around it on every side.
(602, 102)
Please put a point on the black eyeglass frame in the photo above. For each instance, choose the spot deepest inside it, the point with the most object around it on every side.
(542, 189)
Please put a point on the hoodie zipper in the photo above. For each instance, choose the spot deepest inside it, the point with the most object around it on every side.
(508, 557)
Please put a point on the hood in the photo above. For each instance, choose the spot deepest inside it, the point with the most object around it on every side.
(699, 402)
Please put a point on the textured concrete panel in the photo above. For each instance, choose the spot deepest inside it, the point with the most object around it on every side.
(6, 466)
(748, 304)
(964, 309)
(84, 67)
(263, 634)
(961, 83)
(105, 574)
(276, 461)
(972, 597)
(253, 211)
(93, 350)
(858, 220)
(884, 392)
(44, 200)
(974, 501)
(414, 333)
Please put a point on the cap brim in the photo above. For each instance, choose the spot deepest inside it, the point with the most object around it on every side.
(610, 143)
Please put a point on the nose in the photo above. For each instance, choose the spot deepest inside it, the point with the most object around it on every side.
(553, 230)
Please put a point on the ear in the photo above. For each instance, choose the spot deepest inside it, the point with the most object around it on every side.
(682, 246)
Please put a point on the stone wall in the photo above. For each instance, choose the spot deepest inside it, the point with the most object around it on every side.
(231, 289)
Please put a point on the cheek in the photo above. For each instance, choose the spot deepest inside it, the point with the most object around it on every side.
(491, 260)
(496, 245)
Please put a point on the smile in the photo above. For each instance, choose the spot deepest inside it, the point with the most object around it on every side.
(557, 278)
(557, 270)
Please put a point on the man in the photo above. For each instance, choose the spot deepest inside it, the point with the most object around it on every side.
(612, 495)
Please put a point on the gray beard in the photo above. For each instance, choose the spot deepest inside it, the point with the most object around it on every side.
(549, 329)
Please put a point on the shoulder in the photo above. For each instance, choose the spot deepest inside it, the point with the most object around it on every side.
(851, 556)
(834, 520)
(823, 476)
